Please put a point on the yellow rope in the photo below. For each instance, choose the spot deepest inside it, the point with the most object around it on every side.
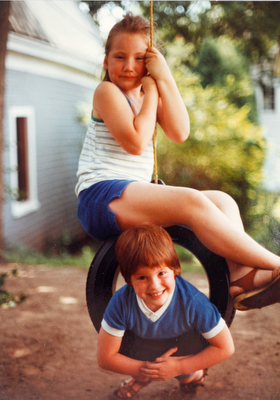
(151, 24)
(155, 131)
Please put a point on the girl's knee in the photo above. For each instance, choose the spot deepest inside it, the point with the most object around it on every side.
(197, 200)
(227, 200)
(222, 200)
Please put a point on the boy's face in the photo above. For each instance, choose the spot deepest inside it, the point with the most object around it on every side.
(153, 285)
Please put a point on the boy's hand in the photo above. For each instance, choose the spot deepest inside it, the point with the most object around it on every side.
(156, 64)
(164, 367)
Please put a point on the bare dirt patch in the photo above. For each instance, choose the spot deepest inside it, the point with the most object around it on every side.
(48, 346)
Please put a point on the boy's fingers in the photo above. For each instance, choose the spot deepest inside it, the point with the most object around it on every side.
(149, 372)
(169, 352)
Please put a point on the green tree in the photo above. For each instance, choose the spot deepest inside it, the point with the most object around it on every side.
(253, 24)
(220, 63)
(243, 36)
(265, 220)
(225, 150)
(94, 6)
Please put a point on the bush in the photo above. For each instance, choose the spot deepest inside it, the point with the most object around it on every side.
(7, 299)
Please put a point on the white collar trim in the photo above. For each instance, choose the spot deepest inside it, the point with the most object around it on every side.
(154, 316)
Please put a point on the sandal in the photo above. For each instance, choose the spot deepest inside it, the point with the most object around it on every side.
(192, 386)
(129, 388)
(257, 297)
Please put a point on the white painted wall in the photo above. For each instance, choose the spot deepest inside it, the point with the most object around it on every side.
(270, 120)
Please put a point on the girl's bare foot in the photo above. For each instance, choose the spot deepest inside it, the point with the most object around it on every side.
(257, 289)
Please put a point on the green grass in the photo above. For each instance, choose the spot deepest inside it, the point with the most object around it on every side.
(189, 262)
(192, 267)
(21, 255)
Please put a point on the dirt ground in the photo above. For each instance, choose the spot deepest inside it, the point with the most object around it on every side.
(48, 348)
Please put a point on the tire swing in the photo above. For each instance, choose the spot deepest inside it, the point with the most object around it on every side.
(103, 274)
(102, 281)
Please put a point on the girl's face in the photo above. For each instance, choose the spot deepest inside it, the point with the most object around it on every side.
(126, 60)
(153, 285)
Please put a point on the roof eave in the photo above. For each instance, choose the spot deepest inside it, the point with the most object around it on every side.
(46, 51)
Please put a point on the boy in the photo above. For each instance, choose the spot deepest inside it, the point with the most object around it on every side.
(159, 306)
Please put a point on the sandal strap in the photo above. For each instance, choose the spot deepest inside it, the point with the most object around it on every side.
(275, 273)
(247, 281)
(258, 298)
(126, 387)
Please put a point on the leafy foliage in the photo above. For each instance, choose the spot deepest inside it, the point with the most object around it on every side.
(245, 21)
(220, 63)
(225, 150)
(7, 299)
(94, 6)
(264, 216)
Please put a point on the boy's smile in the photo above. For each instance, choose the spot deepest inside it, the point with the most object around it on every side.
(153, 285)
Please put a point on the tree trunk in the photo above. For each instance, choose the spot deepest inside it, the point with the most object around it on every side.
(4, 28)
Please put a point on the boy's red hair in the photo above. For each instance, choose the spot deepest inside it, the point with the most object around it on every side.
(145, 245)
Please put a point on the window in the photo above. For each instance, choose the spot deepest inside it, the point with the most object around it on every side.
(268, 97)
(22, 158)
(23, 161)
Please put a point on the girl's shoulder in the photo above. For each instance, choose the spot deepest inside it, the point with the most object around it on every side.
(107, 93)
(108, 96)
(105, 97)
(105, 88)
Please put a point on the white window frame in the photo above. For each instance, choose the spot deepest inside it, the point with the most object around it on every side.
(20, 208)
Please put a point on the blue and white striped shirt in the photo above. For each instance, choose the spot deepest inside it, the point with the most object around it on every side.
(102, 158)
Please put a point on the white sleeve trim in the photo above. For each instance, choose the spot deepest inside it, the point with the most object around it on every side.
(110, 330)
(217, 329)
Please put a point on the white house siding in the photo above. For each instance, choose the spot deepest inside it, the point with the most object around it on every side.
(59, 138)
(53, 63)
(270, 120)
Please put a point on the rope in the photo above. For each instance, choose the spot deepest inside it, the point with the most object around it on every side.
(155, 131)
(151, 24)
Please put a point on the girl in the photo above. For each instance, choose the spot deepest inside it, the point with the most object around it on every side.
(116, 165)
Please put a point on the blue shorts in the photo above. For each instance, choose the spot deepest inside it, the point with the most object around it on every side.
(93, 210)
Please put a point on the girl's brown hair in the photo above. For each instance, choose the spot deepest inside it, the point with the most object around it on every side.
(129, 24)
(145, 245)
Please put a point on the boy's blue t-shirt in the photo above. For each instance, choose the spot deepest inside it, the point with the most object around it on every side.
(188, 310)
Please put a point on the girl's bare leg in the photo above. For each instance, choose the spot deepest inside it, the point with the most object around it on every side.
(218, 226)
(229, 207)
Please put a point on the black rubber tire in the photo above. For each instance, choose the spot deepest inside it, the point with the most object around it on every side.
(103, 273)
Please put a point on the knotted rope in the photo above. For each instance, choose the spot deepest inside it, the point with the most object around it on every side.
(155, 131)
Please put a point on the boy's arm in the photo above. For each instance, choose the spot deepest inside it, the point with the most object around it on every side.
(166, 367)
(108, 357)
